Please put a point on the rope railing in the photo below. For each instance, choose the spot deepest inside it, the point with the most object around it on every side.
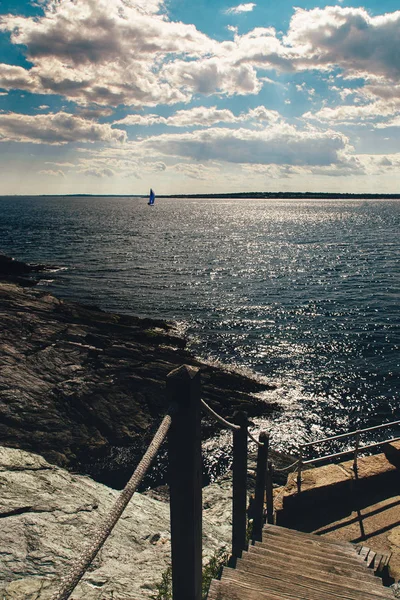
(263, 487)
(78, 569)
(182, 424)
(288, 467)
(254, 439)
(218, 417)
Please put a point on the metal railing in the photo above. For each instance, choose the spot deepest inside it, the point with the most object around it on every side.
(182, 427)
(354, 450)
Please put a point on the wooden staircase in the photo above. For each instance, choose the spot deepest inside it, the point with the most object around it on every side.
(292, 565)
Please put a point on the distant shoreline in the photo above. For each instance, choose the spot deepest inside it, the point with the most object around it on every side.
(238, 195)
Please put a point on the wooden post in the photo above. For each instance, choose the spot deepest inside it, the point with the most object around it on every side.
(355, 463)
(299, 466)
(261, 479)
(270, 493)
(239, 504)
(185, 476)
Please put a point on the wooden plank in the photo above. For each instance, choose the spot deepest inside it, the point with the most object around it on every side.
(309, 557)
(285, 530)
(364, 552)
(377, 560)
(315, 578)
(276, 530)
(387, 559)
(312, 548)
(226, 590)
(282, 564)
(303, 589)
(311, 540)
(303, 561)
(370, 559)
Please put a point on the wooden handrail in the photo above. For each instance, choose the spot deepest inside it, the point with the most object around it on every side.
(355, 450)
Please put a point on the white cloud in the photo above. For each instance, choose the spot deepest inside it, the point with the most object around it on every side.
(373, 113)
(128, 52)
(51, 173)
(13, 77)
(213, 75)
(201, 116)
(101, 51)
(100, 173)
(241, 8)
(197, 171)
(55, 128)
(361, 45)
(280, 144)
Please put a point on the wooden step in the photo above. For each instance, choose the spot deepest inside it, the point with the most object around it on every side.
(305, 535)
(305, 589)
(226, 590)
(281, 563)
(293, 565)
(300, 558)
(314, 548)
(314, 578)
(313, 541)
(231, 589)
(376, 561)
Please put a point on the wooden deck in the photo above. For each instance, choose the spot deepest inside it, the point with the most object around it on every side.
(291, 565)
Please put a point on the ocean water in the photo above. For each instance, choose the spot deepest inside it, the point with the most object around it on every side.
(303, 293)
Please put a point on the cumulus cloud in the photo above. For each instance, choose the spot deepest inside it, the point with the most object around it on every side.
(51, 173)
(101, 51)
(100, 173)
(196, 171)
(55, 128)
(97, 52)
(13, 77)
(241, 8)
(212, 75)
(354, 113)
(282, 144)
(361, 45)
(201, 116)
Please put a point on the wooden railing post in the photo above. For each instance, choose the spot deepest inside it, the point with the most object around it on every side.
(355, 456)
(299, 466)
(270, 493)
(239, 504)
(261, 480)
(185, 476)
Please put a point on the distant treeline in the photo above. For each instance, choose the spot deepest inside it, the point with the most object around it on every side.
(297, 195)
(249, 195)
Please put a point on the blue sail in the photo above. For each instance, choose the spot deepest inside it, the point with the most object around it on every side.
(151, 198)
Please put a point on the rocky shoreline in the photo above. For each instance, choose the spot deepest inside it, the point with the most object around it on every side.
(48, 515)
(84, 388)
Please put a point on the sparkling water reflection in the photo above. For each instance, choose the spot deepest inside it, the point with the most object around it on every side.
(305, 293)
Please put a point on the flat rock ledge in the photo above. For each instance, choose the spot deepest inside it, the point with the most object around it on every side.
(47, 515)
(78, 382)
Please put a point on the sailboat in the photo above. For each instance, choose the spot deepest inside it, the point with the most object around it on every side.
(151, 198)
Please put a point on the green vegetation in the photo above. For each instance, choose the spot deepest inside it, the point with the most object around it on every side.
(211, 570)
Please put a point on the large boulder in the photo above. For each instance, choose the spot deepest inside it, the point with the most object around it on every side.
(48, 515)
(78, 382)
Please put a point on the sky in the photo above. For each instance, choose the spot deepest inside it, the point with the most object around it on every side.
(117, 96)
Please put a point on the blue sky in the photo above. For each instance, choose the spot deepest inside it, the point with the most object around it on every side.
(117, 96)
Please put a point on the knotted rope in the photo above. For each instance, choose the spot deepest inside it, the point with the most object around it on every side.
(78, 569)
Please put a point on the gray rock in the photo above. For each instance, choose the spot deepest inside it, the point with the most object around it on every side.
(48, 514)
(78, 382)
